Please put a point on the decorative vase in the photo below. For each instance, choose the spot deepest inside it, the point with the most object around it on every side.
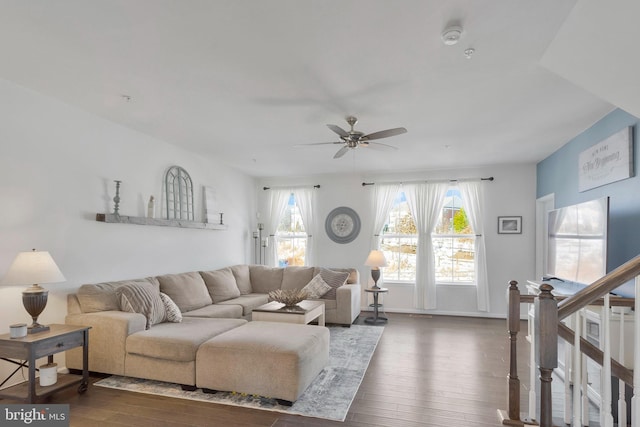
(151, 208)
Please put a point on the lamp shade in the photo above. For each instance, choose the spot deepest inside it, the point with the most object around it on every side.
(33, 267)
(376, 259)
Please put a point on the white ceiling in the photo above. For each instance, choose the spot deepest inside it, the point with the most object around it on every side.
(244, 81)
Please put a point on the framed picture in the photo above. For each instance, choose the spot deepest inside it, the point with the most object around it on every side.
(608, 161)
(509, 225)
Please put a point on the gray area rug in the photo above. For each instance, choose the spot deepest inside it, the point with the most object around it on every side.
(329, 396)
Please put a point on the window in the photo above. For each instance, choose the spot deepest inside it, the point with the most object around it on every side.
(399, 242)
(454, 243)
(291, 238)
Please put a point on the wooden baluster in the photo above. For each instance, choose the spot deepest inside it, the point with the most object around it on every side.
(585, 374)
(514, 328)
(635, 400)
(578, 384)
(622, 402)
(606, 418)
(533, 399)
(546, 313)
(568, 371)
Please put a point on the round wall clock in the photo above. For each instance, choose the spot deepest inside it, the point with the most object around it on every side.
(342, 225)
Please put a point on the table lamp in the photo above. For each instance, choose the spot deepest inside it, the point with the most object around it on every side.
(32, 268)
(375, 260)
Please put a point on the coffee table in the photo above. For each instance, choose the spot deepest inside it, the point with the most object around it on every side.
(303, 313)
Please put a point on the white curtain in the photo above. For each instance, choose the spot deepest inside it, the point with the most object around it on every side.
(305, 199)
(425, 201)
(277, 204)
(473, 200)
(383, 197)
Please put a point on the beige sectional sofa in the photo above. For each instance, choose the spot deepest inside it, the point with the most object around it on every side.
(211, 303)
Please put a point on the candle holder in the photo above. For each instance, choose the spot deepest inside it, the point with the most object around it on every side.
(116, 199)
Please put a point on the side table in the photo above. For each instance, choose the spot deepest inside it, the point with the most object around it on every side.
(35, 346)
(376, 319)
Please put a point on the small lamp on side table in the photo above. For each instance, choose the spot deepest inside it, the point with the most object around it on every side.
(32, 268)
(375, 260)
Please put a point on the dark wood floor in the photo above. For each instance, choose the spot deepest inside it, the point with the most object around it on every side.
(426, 371)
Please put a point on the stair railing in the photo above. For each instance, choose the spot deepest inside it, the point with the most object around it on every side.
(548, 325)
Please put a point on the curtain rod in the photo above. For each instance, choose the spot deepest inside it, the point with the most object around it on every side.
(490, 178)
(292, 186)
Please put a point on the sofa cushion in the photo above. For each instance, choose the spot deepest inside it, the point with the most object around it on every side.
(317, 287)
(243, 278)
(142, 298)
(187, 290)
(178, 342)
(335, 279)
(248, 302)
(265, 279)
(221, 284)
(171, 309)
(102, 296)
(296, 277)
(216, 311)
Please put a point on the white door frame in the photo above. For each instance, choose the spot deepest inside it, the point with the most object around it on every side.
(543, 205)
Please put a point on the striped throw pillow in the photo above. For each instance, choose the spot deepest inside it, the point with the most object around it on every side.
(142, 298)
(335, 279)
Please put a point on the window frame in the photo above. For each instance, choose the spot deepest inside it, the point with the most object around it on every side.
(400, 198)
(290, 235)
(453, 237)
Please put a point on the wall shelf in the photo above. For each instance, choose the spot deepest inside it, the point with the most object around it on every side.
(122, 219)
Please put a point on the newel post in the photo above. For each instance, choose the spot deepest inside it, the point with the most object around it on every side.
(546, 338)
(513, 324)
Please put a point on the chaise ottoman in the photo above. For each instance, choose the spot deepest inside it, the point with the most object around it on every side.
(271, 359)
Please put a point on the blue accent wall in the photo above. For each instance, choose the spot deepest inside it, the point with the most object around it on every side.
(558, 174)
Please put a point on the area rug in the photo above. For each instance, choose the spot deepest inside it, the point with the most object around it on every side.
(329, 396)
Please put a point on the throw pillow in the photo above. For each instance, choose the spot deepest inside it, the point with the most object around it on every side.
(317, 287)
(335, 279)
(221, 284)
(173, 311)
(143, 298)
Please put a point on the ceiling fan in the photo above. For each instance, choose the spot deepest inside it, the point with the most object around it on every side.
(354, 139)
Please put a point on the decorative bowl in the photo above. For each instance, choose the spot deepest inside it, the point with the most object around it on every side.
(289, 298)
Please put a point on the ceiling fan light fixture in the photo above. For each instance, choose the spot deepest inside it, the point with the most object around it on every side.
(354, 139)
(451, 35)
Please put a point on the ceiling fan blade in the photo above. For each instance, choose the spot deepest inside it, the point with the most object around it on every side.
(318, 143)
(341, 152)
(379, 146)
(338, 130)
(385, 133)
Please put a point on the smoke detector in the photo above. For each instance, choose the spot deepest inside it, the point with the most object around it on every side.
(468, 53)
(451, 35)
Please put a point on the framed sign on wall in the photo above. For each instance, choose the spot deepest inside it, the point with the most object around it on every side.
(608, 161)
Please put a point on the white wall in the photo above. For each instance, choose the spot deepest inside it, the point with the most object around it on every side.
(57, 166)
(512, 193)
